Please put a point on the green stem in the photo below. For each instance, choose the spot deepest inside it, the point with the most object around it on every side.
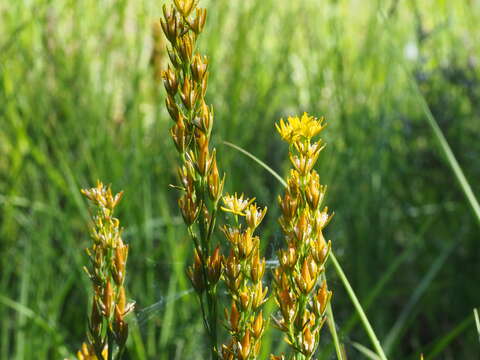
(210, 318)
(333, 331)
(110, 344)
(333, 328)
(260, 162)
(213, 323)
(356, 304)
(120, 353)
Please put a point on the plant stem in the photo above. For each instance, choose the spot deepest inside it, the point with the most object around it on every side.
(333, 330)
(110, 344)
(356, 304)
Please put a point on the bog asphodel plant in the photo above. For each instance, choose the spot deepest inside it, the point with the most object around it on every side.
(107, 329)
(300, 288)
(243, 274)
(185, 81)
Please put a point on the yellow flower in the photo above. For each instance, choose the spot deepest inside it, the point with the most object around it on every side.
(236, 204)
(297, 128)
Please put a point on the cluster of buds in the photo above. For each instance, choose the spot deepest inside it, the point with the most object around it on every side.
(185, 82)
(300, 287)
(108, 257)
(243, 274)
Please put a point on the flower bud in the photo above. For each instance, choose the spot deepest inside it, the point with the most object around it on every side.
(214, 266)
(178, 132)
(234, 317)
(170, 81)
(244, 346)
(189, 208)
(195, 274)
(258, 325)
(185, 48)
(198, 22)
(254, 216)
(120, 260)
(198, 67)
(321, 299)
(259, 295)
(215, 186)
(244, 300)
(170, 24)
(184, 6)
(107, 299)
(172, 108)
(257, 268)
(187, 94)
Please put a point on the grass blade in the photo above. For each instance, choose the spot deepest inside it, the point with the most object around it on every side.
(258, 161)
(358, 307)
(447, 152)
(477, 322)
(365, 351)
(395, 333)
(445, 340)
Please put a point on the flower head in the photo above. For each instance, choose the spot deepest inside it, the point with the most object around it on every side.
(236, 204)
(296, 128)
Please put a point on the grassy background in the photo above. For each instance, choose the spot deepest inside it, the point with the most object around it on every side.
(78, 102)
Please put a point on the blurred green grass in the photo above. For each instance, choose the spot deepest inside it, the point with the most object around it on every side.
(78, 102)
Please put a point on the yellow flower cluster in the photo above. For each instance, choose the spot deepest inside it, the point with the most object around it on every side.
(108, 256)
(300, 295)
(243, 274)
(298, 128)
(236, 204)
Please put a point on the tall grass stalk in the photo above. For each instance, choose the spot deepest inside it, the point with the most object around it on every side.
(477, 322)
